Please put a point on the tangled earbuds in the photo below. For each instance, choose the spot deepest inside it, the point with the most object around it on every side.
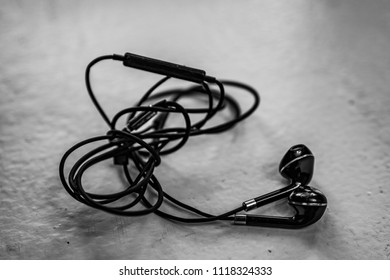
(159, 124)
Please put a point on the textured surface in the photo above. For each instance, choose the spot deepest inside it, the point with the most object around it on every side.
(322, 68)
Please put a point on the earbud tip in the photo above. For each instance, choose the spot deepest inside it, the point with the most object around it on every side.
(297, 164)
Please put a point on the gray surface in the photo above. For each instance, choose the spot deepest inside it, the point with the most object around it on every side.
(322, 69)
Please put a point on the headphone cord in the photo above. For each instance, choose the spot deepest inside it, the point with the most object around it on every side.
(139, 145)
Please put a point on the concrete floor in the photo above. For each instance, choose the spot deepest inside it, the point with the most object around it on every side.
(322, 68)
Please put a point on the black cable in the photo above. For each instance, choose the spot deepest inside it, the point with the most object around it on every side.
(149, 134)
(89, 88)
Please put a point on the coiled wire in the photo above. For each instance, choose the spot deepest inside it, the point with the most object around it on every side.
(145, 139)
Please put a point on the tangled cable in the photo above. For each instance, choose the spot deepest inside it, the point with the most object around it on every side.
(147, 136)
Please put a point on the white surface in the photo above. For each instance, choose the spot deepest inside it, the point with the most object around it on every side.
(321, 67)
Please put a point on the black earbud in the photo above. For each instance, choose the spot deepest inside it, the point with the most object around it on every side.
(309, 204)
(298, 166)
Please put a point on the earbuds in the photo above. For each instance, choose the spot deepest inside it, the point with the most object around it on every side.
(149, 133)
(309, 203)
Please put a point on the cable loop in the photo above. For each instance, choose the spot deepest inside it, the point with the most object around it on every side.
(154, 129)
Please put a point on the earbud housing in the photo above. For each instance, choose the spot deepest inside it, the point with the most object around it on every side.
(309, 204)
(297, 164)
